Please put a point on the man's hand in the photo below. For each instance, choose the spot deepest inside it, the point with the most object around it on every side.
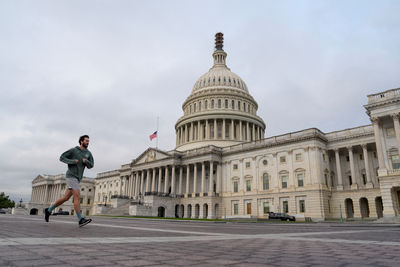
(76, 161)
(83, 160)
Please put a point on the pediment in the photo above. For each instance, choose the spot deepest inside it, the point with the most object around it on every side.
(151, 154)
(38, 179)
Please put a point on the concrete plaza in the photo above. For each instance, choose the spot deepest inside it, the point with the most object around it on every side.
(29, 241)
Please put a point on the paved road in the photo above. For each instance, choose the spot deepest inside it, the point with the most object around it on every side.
(29, 241)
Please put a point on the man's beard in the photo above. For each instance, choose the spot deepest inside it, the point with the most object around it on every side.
(85, 145)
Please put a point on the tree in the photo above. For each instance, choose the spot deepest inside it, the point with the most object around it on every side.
(5, 202)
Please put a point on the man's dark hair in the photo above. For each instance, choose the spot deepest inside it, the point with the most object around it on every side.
(83, 138)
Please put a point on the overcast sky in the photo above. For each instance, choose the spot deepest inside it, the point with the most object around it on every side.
(109, 68)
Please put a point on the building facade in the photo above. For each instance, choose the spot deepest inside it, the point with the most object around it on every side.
(223, 167)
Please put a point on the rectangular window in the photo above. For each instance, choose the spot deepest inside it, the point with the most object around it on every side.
(299, 157)
(302, 206)
(247, 164)
(300, 181)
(266, 182)
(81, 200)
(390, 132)
(88, 201)
(282, 159)
(284, 181)
(395, 161)
(285, 206)
(235, 166)
(364, 178)
(266, 207)
(350, 183)
(248, 185)
(326, 178)
(235, 186)
(235, 208)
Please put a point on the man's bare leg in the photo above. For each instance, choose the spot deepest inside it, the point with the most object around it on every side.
(77, 206)
(60, 201)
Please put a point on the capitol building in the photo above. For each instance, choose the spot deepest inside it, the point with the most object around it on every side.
(223, 167)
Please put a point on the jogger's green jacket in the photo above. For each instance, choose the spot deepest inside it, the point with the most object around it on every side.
(76, 169)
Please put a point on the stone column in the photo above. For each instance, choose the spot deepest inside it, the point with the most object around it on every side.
(142, 182)
(223, 129)
(207, 130)
(240, 131)
(366, 163)
(198, 130)
(203, 178)
(338, 170)
(215, 129)
(219, 176)
(153, 183)
(382, 171)
(353, 173)
(194, 180)
(159, 189)
(187, 180)
(46, 193)
(248, 131)
(173, 182)
(191, 132)
(254, 133)
(211, 184)
(186, 133)
(396, 123)
(180, 180)
(147, 181)
(232, 129)
(137, 185)
(166, 180)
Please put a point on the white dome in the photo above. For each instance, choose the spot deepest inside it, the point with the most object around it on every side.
(220, 76)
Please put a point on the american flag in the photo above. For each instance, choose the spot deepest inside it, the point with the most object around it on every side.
(154, 135)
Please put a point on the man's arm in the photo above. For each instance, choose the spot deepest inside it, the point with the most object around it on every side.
(89, 162)
(66, 157)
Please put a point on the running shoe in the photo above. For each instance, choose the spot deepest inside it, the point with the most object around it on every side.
(84, 221)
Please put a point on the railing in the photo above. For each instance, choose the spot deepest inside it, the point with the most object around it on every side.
(382, 96)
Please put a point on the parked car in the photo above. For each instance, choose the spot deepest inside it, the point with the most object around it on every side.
(281, 216)
(61, 213)
(2, 211)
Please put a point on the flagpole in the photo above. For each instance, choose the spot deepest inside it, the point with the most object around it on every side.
(157, 135)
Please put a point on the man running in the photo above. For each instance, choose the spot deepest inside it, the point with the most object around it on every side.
(77, 159)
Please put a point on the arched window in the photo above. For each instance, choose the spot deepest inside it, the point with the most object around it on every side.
(226, 103)
(190, 109)
(244, 107)
(238, 105)
(200, 106)
(194, 107)
(248, 108)
(212, 103)
(219, 103)
(233, 104)
(265, 181)
(205, 104)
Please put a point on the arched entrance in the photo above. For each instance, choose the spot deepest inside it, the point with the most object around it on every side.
(349, 208)
(176, 211)
(379, 206)
(33, 212)
(364, 208)
(189, 211)
(205, 211)
(396, 200)
(161, 212)
(197, 211)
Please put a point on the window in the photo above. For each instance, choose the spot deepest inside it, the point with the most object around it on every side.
(374, 154)
(235, 208)
(300, 181)
(266, 207)
(226, 103)
(350, 183)
(395, 161)
(265, 162)
(87, 212)
(247, 164)
(266, 181)
(299, 157)
(233, 104)
(88, 201)
(219, 103)
(302, 206)
(235, 186)
(82, 189)
(100, 186)
(364, 178)
(285, 206)
(194, 107)
(282, 159)
(248, 185)
(326, 178)
(81, 200)
(347, 158)
(390, 132)
(205, 104)
(235, 166)
(361, 157)
(248, 208)
(90, 189)
(238, 105)
(199, 106)
(212, 103)
(284, 181)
